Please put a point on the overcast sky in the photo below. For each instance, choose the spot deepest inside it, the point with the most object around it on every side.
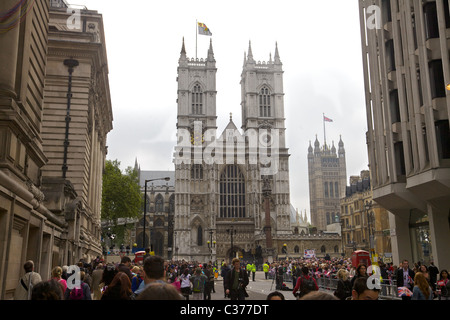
(319, 45)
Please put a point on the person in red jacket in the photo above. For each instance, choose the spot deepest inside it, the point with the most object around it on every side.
(305, 284)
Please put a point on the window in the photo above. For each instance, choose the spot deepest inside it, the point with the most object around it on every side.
(326, 189)
(197, 172)
(264, 103)
(336, 192)
(390, 56)
(443, 138)
(431, 22)
(328, 218)
(399, 158)
(296, 249)
(322, 249)
(199, 236)
(336, 249)
(331, 189)
(232, 193)
(159, 203)
(394, 105)
(197, 100)
(437, 79)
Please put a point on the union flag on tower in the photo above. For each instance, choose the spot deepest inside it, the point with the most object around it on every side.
(327, 119)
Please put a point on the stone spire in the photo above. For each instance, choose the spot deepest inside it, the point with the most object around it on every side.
(211, 52)
(277, 54)
(250, 53)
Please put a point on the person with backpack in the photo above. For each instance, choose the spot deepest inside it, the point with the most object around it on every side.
(185, 283)
(27, 282)
(236, 281)
(80, 292)
(198, 285)
(305, 284)
(344, 286)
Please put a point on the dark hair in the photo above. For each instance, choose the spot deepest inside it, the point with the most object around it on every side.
(120, 287)
(360, 285)
(154, 267)
(47, 290)
(28, 266)
(275, 294)
(318, 295)
(125, 260)
(108, 274)
(305, 270)
(359, 267)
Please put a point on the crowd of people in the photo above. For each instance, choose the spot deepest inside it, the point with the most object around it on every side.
(157, 279)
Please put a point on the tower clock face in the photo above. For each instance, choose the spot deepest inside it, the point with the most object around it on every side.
(197, 138)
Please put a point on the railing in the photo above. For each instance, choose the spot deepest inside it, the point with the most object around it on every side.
(387, 291)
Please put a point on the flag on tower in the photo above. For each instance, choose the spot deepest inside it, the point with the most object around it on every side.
(203, 29)
(327, 119)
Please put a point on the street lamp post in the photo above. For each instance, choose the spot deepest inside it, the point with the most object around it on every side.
(211, 243)
(145, 206)
(368, 206)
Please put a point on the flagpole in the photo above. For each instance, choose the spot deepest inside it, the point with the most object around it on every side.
(196, 35)
(324, 135)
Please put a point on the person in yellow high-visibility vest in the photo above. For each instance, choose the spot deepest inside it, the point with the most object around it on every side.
(249, 269)
(266, 269)
(253, 269)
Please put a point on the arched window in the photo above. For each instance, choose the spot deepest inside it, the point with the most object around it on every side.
(336, 190)
(197, 172)
(296, 249)
(197, 100)
(336, 249)
(199, 236)
(326, 189)
(264, 102)
(331, 190)
(322, 249)
(295, 230)
(232, 193)
(159, 203)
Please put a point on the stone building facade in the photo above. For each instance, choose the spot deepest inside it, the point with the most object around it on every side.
(55, 113)
(406, 66)
(327, 176)
(364, 229)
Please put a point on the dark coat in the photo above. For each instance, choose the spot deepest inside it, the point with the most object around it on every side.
(229, 279)
(400, 278)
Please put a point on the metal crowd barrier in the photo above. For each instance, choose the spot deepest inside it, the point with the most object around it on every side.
(387, 291)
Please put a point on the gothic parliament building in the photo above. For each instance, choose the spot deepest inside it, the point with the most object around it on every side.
(230, 193)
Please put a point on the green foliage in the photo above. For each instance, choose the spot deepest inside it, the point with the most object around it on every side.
(121, 195)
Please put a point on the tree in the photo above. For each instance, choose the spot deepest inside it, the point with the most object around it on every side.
(121, 197)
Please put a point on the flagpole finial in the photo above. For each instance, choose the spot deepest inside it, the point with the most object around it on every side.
(231, 116)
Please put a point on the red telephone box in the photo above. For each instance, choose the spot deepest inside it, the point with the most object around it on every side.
(139, 257)
(361, 256)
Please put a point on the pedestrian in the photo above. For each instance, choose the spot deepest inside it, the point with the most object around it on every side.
(119, 289)
(137, 278)
(236, 281)
(433, 271)
(97, 276)
(305, 284)
(253, 269)
(109, 273)
(280, 276)
(56, 275)
(223, 274)
(361, 271)
(266, 269)
(27, 282)
(48, 290)
(154, 271)
(362, 292)
(444, 285)
(405, 278)
(344, 286)
(124, 266)
(160, 291)
(79, 291)
(422, 289)
(185, 285)
(210, 282)
(198, 284)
